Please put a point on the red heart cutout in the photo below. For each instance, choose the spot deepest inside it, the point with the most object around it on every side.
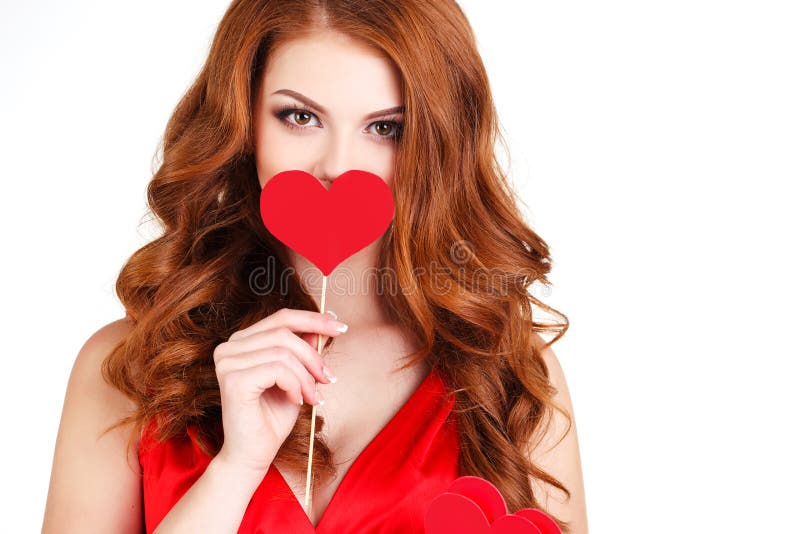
(451, 512)
(326, 227)
(474, 505)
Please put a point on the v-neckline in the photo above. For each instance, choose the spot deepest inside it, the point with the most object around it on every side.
(380, 436)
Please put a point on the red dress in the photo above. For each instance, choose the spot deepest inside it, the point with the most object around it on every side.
(387, 489)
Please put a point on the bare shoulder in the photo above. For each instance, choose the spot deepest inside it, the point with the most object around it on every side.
(95, 484)
(85, 378)
(104, 339)
(557, 452)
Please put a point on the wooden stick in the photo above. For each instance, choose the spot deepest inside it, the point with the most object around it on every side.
(314, 409)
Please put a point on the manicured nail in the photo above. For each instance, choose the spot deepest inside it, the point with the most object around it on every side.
(329, 373)
(332, 313)
(340, 326)
(319, 398)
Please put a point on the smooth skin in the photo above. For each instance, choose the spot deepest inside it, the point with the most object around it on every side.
(349, 80)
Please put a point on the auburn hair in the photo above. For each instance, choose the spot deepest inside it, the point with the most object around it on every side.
(190, 288)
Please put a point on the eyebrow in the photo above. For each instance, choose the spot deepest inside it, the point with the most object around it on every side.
(301, 97)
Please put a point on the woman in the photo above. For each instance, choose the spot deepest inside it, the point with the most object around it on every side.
(440, 368)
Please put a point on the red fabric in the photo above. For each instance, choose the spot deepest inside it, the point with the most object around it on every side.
(387, 489)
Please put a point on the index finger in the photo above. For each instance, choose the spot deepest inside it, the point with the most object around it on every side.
(296, 321)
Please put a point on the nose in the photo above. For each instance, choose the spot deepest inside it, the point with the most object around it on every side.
(334, 160)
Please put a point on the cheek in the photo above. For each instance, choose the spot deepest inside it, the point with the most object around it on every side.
(388, 177)
(277, 150)
(377, 158)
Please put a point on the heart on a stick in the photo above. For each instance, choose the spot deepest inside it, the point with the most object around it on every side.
(326, 227)
(473, 505)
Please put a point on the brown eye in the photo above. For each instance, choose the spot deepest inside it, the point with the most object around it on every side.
(383, 128)
(301, 122)
(387, 131)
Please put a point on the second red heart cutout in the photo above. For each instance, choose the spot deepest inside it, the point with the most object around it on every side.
(326, 227)
(473, 505)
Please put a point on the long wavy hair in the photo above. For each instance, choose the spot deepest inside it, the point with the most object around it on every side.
(190, 288)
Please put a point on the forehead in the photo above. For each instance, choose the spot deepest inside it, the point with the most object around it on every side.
(337, 71)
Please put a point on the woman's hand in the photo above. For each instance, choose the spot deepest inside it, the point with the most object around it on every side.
(265, 371)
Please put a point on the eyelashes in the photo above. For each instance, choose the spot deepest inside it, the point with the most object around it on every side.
(286, 111)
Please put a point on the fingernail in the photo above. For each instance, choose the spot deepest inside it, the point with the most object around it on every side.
(319, 398)
(329, 374)
(340, 326)
(332, 313)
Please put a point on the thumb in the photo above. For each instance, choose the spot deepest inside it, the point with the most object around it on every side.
(311, 339)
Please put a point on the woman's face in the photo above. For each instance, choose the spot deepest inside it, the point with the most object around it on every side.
(327, 104)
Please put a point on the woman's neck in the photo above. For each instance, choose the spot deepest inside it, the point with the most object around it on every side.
(351, 289)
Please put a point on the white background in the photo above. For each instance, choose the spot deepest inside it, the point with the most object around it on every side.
(655, 146)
